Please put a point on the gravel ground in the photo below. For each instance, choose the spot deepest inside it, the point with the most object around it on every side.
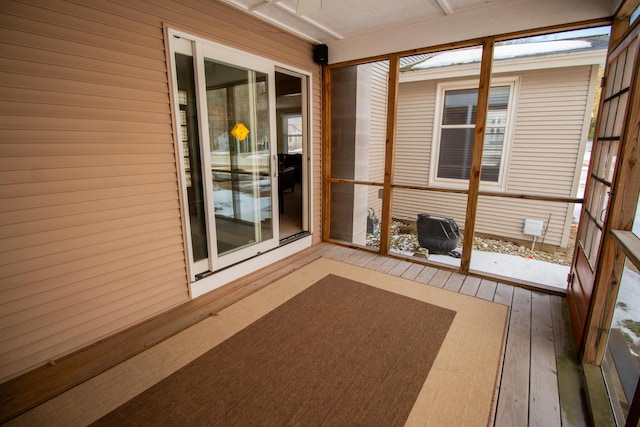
(562, 257)
(404, 240)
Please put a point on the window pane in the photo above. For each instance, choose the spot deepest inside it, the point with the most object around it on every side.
(454, 160)
(496, 117)
(192, 161)
(456, 146)
(498, 103)
(294, 134)
(460, 107)
(492, 154)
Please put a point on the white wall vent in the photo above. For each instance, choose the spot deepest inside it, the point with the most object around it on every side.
(533, 227)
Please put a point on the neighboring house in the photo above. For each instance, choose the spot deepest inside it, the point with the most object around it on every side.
(540, 111)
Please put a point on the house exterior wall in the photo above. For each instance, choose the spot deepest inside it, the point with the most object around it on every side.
(553, 110)
(91, 237)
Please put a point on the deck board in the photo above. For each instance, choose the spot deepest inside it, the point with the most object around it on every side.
(470, 285)
(513, 400)
(544, 399)
(426, 275)
(570, 382)
(413, 271)
(376, 262)
(487, 289)
(400, 268)
(504, 294)
(388, 265)
(366, 259)
(454, 282)
(440, 278)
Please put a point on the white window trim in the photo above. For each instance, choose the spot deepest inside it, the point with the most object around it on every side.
(441, 88)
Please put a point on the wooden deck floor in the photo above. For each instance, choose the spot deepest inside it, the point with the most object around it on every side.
(540, 383)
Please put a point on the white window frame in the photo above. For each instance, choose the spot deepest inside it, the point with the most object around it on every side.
(513, 82)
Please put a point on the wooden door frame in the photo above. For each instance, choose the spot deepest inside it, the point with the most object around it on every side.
(626, 183)
(584, 270)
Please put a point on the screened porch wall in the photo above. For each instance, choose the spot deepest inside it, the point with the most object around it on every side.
(358, 136)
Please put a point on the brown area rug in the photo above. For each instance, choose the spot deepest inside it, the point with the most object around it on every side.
(339, 352)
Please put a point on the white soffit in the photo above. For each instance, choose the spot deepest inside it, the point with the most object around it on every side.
(356, 29)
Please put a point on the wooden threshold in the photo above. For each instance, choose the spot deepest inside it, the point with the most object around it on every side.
(31, 389)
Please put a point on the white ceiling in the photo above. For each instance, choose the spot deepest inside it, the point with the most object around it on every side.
(361, 28)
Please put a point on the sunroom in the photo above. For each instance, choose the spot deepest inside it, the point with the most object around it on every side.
(163, 160)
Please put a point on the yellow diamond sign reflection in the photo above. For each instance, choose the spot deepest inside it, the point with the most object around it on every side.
(240, 131)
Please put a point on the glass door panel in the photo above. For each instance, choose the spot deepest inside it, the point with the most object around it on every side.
(239, 151)
(604, 158)
(192, 162)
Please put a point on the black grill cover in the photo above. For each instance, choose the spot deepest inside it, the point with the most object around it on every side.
(438, 235)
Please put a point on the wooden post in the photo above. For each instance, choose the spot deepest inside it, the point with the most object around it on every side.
(325, 209)
(390, 144)
(476, 157)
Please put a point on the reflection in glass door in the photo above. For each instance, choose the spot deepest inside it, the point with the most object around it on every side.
(192, 162)
(238, 118)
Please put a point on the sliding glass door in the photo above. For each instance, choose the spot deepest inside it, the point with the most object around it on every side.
(226, 109)
(238, 118)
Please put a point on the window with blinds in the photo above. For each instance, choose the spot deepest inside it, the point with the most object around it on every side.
(456, 128)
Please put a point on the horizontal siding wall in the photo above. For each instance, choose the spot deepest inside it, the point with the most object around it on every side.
(553, 107)
(407, 204)
(414, 132)
(549, 125)
(91, 238)
(505, 217)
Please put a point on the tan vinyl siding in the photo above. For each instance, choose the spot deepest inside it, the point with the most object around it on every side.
(91, 237)
(550, 119)
(416, 109)
(407, 204)
(552, 112)
(505, 217)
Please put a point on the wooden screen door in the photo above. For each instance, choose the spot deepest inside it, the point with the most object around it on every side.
(621, 61)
